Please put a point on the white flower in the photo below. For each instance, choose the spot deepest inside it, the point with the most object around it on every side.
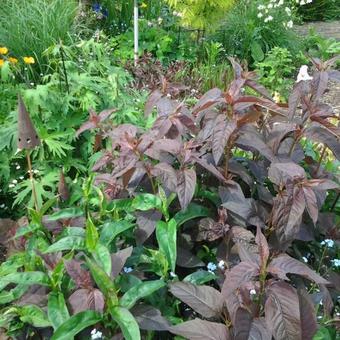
(21, 177)
(302, 2)
(290, 24)
(288, 11)
(309, 1)
(336, 262)
(252, 292)
(11, 185)
(35, 171)
(303, 74)
(2, 205)
(329, 243)
(269, 18)
(172, 274)
(211, 267)
(96, 334)
(127, 270)
(260, 15)
(260, 7)
(270, 6)
(280, 3)
(17, 167)
(159, 20)
(305, 259)
(221, 265)
(15, 181)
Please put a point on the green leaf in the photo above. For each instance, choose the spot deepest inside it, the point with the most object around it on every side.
(91, 235)
(323, 334)
(66, 214)
(200, 277)
(56, 309)
(67, 243)
(102, 280)
(102, 256)
(139, 291)
(193, 211)
(111, 229)
(166, 234)
(146, 202)
(13, 294)
(33, 315)
(75, 324)
(126, 322)
(256, 51)
(24, 230)
(72, 231)
(26, 278)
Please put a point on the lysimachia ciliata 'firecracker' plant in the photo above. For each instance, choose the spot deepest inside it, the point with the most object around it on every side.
(272, 188)
(244, 187)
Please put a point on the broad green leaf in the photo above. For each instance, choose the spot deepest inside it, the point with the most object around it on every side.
(72, 231)
(91, 235)
(103, 280)
(66, 214)
(56, 309)
(22, 231)
(324, 334)
(146, 202)
(124, 204)
(67, 243)
(102, 255)
(193, 211)
(75, 324)
(33, 315)
(126, 322)
(25, 278)
(200, 277)
(13, 263)
(139, 291)
(111, 229)
(13, 294)
(166, 234)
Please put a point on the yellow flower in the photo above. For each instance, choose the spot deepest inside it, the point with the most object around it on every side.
(143, 5)
(2, 62)
(29, 60)
(13, 60)
(3, 50)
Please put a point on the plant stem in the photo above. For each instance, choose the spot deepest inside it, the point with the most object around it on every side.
(320, 160)
(64, 69)
(29, 163)
(335, 201)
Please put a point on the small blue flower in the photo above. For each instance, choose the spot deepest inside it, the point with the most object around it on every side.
(96, 7)
(336, 262)
(211, 267)
(127, 270)
(329, 243)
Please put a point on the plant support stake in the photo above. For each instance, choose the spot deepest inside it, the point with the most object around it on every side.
(135, 24)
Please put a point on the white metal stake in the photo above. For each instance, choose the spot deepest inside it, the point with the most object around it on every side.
(135, 22)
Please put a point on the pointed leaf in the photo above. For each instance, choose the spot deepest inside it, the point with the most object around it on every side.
(284, 264)
(311, 203)
(198, 329)
(186, 183)
(282, 312)
(166, 234)
(261, 241)
(118, 260)
(126, 322)
(56, 309)
(205, 300)
(85, 299)
(309, 324)
(75, 324)
(140, 291)
(149, 318)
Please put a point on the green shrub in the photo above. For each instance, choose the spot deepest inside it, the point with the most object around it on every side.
(29, 27)
(247, 34)
(320, 10)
